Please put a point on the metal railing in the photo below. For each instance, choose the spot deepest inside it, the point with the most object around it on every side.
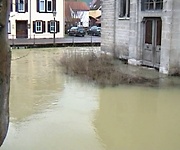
(40, 41)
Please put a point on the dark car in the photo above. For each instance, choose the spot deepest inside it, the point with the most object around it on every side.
(94, 30)
(76, 31)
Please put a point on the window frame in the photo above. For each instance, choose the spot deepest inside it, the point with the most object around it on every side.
(38, 24)
(47, 6)
(9, 27)
(53, 26)
(124, 9)
(151, 5)
(19, 6)
(44, 6)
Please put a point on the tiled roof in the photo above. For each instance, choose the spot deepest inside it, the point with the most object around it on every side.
(75, 6)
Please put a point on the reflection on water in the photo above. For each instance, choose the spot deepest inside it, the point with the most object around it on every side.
(50, 111)
(134, 118)
(34, 82)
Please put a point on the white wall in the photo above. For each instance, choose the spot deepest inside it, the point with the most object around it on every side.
(33, 15)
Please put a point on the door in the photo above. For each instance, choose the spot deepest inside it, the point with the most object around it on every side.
(21, 29)
(152, 42)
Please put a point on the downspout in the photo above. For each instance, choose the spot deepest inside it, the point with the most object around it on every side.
(30, 19)
(114, 31)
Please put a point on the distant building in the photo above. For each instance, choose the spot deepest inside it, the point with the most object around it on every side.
(76, 14)
(34, 19)
(95, 13)
(145, 32)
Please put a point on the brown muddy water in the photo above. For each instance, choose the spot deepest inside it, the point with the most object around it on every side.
(51, 111)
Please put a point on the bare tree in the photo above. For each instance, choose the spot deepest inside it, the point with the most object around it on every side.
(5, 59)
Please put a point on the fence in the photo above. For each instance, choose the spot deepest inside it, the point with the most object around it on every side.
(41, 41)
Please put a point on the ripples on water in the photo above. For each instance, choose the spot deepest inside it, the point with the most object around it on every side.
(50, 111)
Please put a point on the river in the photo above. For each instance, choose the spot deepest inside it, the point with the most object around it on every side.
(52, 111)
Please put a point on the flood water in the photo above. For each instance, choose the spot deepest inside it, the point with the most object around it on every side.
(51, 111)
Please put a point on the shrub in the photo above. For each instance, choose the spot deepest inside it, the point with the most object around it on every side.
(102, 69)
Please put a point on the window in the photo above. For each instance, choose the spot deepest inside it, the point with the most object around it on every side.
(124, 9)
(9, 27)
(152, 4)
(38, 26)
(41, 5)
(46, 5)
(52, 26)
(21, 6)
(49, 5)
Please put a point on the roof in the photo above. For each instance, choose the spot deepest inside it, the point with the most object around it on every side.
(95, 4)
(77, 6)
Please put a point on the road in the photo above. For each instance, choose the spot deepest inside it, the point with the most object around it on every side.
(68, 40)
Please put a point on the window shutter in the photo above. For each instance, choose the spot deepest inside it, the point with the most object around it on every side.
(16, 5)
(129, 5)
(37, 5)
(48, 26)
(54, 4)
(43, 26)
(34, 26)
(11, 7)
(57, 26)
(142, 5)
(26, 5)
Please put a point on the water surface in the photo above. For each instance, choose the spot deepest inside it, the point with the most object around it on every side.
(51, 111)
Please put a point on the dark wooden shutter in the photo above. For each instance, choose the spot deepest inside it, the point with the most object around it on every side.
(34, 26)
(11, 7)
(57, 26)
(54, 4)
(37, 5)
(16, 3)
(43, 26)
(26, 5)
(48, 26)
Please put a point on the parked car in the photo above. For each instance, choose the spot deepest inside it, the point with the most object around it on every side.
(94, 30)
(76, 31)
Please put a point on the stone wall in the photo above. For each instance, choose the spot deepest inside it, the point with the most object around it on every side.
(115, 31)
(107, 25)
(124, 36)
(174, 66)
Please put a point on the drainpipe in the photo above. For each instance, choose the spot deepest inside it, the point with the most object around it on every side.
(114, 32)
(30, 19)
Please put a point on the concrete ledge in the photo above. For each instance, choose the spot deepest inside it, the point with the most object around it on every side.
(134, 62)
(163, 70)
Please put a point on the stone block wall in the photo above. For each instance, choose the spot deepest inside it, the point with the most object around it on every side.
(107, 25)
(174, 52)
(124, 36)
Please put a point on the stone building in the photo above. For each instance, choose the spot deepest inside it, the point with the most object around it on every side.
(145, 32)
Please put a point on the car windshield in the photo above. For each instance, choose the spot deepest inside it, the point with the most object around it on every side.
(73, 28)
(94, 27)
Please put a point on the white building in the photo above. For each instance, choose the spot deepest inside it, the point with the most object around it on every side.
(34, 19)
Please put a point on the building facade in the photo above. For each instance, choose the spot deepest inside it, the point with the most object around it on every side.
(35, 19)
(76, 14)
(145, 32)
